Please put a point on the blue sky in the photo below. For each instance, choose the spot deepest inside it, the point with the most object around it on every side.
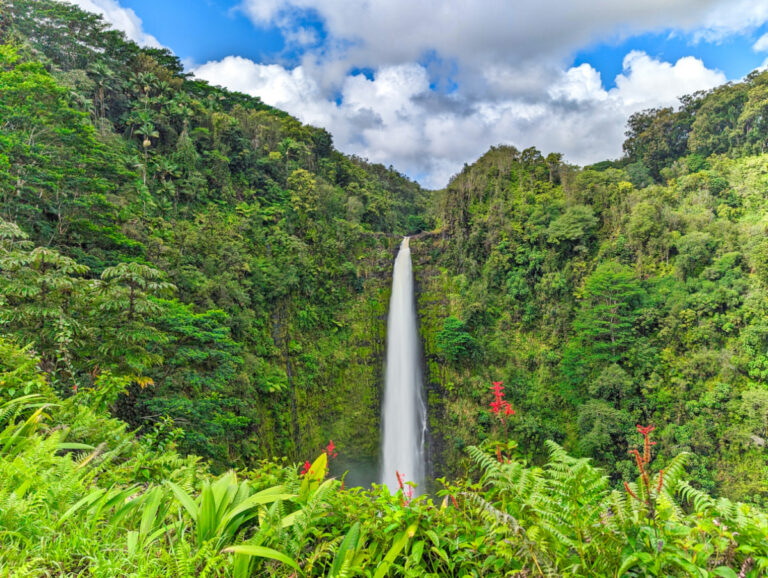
(428, 85)
(733, 55)
(211, 30)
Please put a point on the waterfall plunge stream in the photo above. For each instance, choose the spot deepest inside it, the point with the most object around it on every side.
(404, 414)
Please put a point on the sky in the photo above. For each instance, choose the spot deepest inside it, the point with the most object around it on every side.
(429, 85)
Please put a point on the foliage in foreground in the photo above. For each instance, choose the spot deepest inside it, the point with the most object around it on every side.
(81, 497)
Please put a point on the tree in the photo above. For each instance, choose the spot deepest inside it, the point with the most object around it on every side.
(716, 119)
(41, 299)
(455, 343)
(125, 311)
(574, 226)
(613, 385)
(656, 137)
(694, 253)
(604, 324)
(602, 432)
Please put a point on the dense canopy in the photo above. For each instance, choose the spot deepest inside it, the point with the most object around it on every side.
(193, 294)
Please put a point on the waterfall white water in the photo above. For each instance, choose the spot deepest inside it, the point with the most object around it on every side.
(404, 412)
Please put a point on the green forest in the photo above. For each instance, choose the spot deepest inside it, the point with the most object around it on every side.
(193, 312)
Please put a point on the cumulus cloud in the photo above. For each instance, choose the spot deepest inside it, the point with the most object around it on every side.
(648, 82)
(762, 44)
(396, 118)
(123, 19)
(393, 31)
(731, 17)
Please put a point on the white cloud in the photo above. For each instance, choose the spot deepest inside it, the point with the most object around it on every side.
(732, 17)
(648, 82)
(762, 44)
(123, 19)
(581, 83)
(378, 32)
(395, 118)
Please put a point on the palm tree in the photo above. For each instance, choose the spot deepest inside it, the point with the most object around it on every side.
(104, 77)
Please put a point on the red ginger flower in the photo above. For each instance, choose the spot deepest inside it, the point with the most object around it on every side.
(645, 430)
(305, 469)
(499, 406)
(407, 493)
(330, 449)
(630, 492)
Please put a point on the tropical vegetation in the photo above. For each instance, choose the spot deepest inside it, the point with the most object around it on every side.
(193, 296)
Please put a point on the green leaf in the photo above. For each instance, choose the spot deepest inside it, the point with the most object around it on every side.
(262, 552)
(636, 559)
(150, 511)
(348, 545)
(396, 548)
(74, 446)
(442, 554)
(314, 475)
(185, 499)
(89, 500)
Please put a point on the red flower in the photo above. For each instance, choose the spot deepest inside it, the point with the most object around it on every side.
(499, 406)
(407, 493)
(647, 443)
(630, 492)
(305, 469)
(330, 449)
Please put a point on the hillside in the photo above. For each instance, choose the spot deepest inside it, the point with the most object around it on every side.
(190, 238)
(628, 292)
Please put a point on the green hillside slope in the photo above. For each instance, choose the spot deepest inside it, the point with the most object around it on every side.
(217, 254)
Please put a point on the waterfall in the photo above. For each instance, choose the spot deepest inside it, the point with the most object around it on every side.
(404, 418)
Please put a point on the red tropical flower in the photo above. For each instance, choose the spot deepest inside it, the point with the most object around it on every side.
(330, 449)
(407, 492)
(499, 406)
(645, 430)
(305, 469)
